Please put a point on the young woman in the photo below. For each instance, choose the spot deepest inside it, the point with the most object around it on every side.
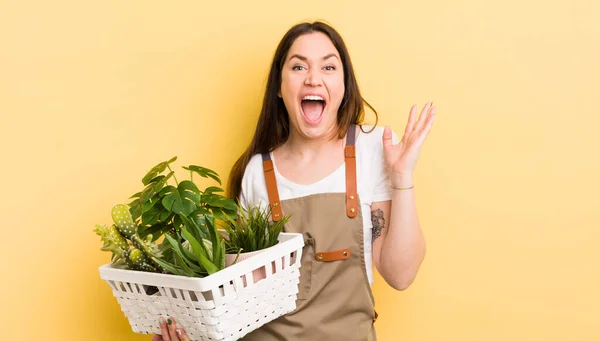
(348, 187)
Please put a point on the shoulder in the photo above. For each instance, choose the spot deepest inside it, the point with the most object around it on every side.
(255, 164)
(254, 169)
(253, 182)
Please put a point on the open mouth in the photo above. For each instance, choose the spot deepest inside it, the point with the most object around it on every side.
(312, 108)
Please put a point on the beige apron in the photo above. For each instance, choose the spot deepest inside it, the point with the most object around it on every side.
(334, 300)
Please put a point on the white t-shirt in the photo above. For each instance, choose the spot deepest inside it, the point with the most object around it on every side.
(372, 181)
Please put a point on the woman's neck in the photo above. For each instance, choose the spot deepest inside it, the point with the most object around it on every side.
(300, 147)
(306, 161)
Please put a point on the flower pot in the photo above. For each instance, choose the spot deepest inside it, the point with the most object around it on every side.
(258, 274)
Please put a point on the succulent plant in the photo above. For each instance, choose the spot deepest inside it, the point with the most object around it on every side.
(193, 255)
(252, 230)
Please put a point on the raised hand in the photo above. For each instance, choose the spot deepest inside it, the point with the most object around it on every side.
(401, 158)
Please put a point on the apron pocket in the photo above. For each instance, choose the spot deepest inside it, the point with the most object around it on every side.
(308, 255)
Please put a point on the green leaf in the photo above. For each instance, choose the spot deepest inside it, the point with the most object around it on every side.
(184, 200)
(177, 222)
(166, 215)
(189, 255)
(219, 201)
(204, 261)
(157, 170)
(175, 245)
(151, 217)
(169, 267)
(221, 265)
(135, 208)
(253, 230)
(179, 258)
(150, 204)
(199, 219)
(178, 248)
(159, 228)
(191, 268)
(200, 211)
(204, 172)
(195, 231)
(208, 265)
(213, 189)
(216, 240)
(224, 214)
(152, 189)
(197, 247)
(156, 179)
(166, 191)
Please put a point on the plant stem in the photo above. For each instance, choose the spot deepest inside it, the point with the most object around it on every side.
(174, 177)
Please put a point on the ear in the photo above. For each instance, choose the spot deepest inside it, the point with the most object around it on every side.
(279, 94)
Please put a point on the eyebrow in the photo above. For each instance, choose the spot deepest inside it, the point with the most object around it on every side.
(303, 58)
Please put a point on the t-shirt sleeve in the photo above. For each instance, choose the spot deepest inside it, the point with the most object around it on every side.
(246, 191)
(253, 190)
(382, 190)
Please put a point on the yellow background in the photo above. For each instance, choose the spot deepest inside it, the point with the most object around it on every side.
(94, 93)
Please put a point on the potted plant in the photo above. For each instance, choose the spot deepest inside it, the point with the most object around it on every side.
(181, 213)
(250, 234)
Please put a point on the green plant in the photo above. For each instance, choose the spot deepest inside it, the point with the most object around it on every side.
(252, 230)
(183, 214)
(158, 208)
(193, 255)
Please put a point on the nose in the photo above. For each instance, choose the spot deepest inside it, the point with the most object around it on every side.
(313, 79)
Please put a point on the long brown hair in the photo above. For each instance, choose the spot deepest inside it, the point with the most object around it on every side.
(273, 127)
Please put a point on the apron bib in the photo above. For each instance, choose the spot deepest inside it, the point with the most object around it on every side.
(334, 301)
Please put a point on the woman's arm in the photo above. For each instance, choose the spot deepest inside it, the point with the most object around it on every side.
(399, 246)
(398, 242)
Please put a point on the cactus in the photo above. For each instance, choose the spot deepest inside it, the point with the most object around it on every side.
(123, 220)
(118, 238)
(144, 252)
(137, 260)
(113, 242)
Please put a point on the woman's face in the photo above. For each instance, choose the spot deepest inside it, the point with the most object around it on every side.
(312, 86)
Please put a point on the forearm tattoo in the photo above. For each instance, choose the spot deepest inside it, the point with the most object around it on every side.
(378, 223)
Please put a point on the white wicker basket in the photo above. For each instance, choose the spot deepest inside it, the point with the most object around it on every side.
(223, 306)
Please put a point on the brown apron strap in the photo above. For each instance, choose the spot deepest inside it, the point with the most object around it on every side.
(351, 191)
(272, 187)
(350, 159)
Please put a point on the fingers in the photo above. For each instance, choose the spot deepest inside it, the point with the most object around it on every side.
(164, 330)
(416, 129)
(410, 125)
(387, 137)
(170, 332)
(425, 113)
(173, 331)
(428, 124)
